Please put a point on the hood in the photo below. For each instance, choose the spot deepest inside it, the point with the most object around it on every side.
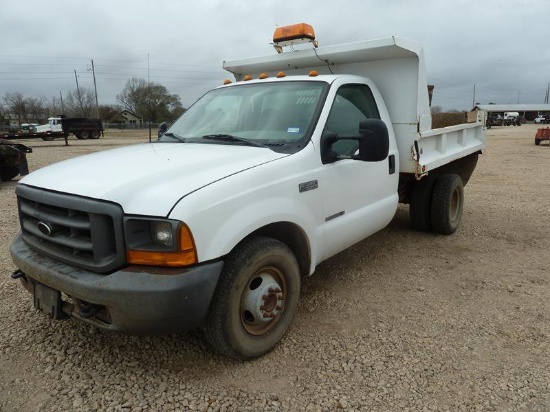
(150, 178)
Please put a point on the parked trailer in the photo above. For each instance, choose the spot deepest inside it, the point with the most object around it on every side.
(62, 126)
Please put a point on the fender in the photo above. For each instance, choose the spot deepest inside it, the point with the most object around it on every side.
(224, 213)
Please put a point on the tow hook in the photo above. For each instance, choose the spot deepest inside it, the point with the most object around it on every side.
(18, 274)
(89, 311)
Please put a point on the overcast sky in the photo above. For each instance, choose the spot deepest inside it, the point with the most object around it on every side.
(501, 47)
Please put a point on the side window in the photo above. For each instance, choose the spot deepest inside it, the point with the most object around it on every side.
(353, 103)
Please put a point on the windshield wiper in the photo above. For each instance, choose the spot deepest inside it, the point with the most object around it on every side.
(175, 136)
(231, 138)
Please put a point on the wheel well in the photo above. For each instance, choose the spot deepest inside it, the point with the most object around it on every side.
(464, 167)
(294, 237)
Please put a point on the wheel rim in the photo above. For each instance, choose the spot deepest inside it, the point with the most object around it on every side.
(262, 303)
(455, 206)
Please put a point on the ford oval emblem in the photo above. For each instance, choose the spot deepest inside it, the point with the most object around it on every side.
(45, 228)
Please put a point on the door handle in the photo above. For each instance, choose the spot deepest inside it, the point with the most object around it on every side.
(391, 163)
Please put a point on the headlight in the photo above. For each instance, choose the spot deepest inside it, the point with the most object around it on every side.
(159, 242)
(161, 232)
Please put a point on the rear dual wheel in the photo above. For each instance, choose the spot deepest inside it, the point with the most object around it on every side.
(255, 299)
(437, 203)
(447, 204)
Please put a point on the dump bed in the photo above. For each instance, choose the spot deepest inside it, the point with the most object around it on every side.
(397, 68)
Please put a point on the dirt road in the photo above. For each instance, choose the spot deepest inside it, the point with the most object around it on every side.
(401, 321)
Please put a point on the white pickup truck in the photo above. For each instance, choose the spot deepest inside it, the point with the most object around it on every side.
(263, 178)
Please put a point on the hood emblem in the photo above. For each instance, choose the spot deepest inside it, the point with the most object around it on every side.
(45, 228)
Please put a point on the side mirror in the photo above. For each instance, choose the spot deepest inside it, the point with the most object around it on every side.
(374, 140)
(373, 143)
(162, 129)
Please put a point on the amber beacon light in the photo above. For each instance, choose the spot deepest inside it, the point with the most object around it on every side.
(293, 34)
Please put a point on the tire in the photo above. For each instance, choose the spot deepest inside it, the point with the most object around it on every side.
(258, 275)
(79, 135)
(94, 134)
(85, 134)
(537, 142)
(48, 138)
(7, 173)
(420, 208)
(447, 204)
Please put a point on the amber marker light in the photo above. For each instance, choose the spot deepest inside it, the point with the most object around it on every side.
(227, 81)
(281, 74)
(263, 76)
(185, 255)
(313, 73)
(247, 78)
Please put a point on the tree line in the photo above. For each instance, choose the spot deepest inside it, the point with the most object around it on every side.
(149, 101)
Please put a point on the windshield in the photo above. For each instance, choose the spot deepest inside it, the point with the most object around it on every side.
(271, 114)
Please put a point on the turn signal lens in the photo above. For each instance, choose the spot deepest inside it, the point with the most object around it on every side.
(185, 255)
(172, 259)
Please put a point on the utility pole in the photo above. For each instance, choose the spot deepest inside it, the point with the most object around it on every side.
(95, 88)
(547, 93)
(474, 98)
(62, 107)
(149, 96)
(79, 96)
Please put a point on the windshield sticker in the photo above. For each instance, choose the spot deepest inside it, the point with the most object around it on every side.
(293, 130)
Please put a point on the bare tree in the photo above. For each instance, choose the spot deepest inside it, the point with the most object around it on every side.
(15, 105)
(27, 109)
(54, 106)
(80, 104)
(37, 110)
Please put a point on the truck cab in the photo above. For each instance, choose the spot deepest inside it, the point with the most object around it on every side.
(53, 126)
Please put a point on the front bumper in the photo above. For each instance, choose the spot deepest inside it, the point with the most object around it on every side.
(136, 299)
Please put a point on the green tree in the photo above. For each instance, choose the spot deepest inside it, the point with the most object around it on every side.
(110, 113)
(150, 101)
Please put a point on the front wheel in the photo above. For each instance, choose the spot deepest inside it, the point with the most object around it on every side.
(447, 203)
(255, 299)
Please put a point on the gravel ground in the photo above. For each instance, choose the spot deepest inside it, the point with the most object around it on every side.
(403, 321)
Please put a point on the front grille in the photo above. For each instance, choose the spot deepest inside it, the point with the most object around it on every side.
(82, 232)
